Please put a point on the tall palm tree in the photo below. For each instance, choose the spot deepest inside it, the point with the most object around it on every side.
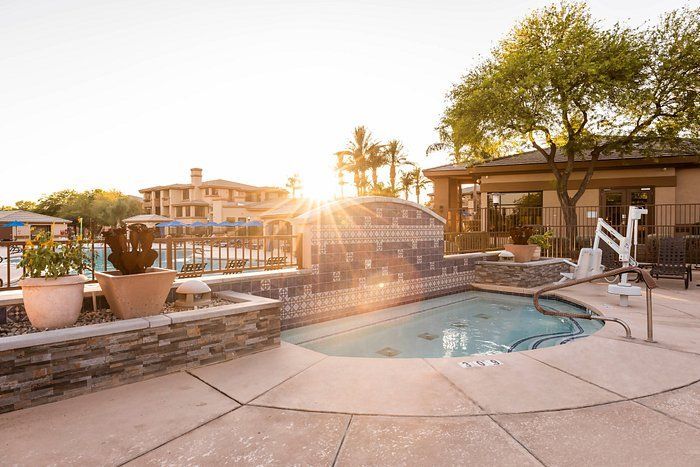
(376, 159)
(419, 182)
(294, 183)
(395, 158)
(357, 154)
(406, 181)
(340, 167)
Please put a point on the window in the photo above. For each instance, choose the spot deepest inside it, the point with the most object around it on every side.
(200, 211)
(186, 194)
(507, 210)
(178, 211)
(215, 191)
(532, 199)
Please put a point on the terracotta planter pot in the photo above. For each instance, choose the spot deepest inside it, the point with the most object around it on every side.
(53, 303)
(523, 253)
(136, 295)
(537, 254)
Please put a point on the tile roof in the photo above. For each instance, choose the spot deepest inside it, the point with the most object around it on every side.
(30, 217)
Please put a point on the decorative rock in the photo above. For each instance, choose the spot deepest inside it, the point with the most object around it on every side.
(193, 293)
(506, 256)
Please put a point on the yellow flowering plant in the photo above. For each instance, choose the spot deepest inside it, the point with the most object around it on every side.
(44, 257)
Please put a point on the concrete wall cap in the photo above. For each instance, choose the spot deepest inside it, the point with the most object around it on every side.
(309, 216)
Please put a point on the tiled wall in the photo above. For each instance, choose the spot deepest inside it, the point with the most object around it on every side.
(360, 255)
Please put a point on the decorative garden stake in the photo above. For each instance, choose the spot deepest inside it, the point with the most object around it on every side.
(132, 256)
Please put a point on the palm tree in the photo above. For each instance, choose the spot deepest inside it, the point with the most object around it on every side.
(448, 142)
(406, 181)
(376, 159)
(340, 167)
(395, 158)
(294, 183)
(357, 154)
(419, 182)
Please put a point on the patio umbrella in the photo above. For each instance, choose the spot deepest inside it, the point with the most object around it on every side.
(197, 224)
(253, 224)
(229, 224)
(213, 224)
(14, 224)
(164, 224)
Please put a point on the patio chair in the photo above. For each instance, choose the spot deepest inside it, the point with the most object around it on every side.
(671, 262)
(235, 266)
(275, 262)
(192, 270)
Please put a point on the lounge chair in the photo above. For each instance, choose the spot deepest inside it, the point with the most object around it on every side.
(192, 270)
(235, 266)
(275, 262)
(671, 262)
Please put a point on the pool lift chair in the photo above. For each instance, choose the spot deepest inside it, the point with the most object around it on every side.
(590, 259)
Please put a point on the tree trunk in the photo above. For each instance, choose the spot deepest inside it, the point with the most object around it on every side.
(392, 177)
(568, 211)
(374, 176)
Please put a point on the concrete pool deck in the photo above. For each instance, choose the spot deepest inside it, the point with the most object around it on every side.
(601, 400)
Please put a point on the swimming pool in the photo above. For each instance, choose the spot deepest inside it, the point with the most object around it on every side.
(454, 326)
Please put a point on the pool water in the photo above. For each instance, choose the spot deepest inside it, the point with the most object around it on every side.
(463, 324)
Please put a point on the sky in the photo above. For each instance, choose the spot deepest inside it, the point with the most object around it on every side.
(132, 93)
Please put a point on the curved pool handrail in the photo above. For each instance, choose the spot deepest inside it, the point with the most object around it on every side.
(645, 276)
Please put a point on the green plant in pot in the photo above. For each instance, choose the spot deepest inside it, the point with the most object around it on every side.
(543, 242)
(52, 283)
(136, 288)
(519, 246)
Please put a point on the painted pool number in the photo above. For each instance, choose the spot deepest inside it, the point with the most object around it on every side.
(479, 363)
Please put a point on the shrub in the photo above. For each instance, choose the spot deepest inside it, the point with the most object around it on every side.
(520, 235)
(43, 257)
(542, 240)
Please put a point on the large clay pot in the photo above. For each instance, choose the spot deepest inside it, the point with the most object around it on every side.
(53, 303)
(136, 295)
(522, 253)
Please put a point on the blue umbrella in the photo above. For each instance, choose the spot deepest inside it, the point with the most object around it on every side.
(197, 224)
(212, 224)
(14, 224)
(253, 224)
(164, 224)
(177, 224)
(229, 224)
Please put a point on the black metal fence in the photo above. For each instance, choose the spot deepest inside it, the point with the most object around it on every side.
(489, 228)
(174, 252)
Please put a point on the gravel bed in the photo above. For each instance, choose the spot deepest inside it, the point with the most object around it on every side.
(18, 323)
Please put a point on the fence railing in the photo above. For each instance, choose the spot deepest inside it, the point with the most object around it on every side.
(174, 252)
(489, 228)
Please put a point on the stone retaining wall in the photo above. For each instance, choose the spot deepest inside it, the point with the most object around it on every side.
(52, 365)
(526, 275)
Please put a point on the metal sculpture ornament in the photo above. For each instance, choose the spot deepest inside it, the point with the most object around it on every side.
(132, 255)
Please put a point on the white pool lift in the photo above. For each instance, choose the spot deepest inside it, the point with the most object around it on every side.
(590, 259)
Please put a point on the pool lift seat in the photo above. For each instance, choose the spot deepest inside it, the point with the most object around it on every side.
(590, 259)
(589, 264)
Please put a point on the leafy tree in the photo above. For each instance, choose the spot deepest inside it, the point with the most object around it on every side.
(26, 205)
(52, 204)
(566, 86)
(294, 183)
(395, 158)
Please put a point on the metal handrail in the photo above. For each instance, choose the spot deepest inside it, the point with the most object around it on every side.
(645, 276)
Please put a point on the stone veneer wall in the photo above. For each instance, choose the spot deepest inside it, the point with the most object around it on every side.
(41, 373)
(532, 274)
(360, 255)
